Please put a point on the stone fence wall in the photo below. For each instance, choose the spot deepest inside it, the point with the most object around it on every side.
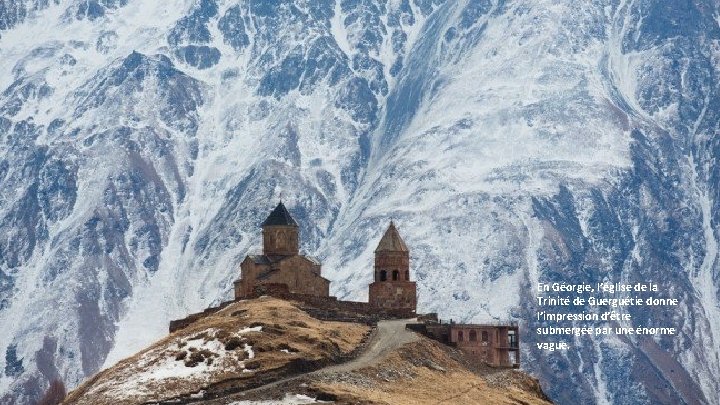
(323, 308)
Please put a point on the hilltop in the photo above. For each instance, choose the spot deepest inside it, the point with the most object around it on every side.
(272, 349)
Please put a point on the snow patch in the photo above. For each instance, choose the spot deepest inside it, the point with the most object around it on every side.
(290, 399)
(338, 31)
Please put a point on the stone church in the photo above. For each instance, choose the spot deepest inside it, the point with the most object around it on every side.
(281, 265)
(281, 262)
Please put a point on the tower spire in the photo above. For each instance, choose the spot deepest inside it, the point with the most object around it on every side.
(392, 287)
(391, 241)
(280, 233)
(280, 216)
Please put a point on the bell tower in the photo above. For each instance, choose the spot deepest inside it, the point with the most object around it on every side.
(280, 233)
(392, 257)
(392, 288)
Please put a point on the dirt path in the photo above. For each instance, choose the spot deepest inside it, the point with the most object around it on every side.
(390, 335)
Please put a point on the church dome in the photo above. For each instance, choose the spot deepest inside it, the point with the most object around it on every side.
(280, 216)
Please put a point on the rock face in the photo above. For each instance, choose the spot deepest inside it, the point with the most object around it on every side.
(511, 140)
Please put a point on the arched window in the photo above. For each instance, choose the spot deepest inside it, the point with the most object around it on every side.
(396, 275)
(383, 275)
(407, 275)
(280, 240)
(484, 336)
(460, 336)
(473, 336)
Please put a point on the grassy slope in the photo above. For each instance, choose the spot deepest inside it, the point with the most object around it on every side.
(427, 372)
(162, 371)
(269, 333)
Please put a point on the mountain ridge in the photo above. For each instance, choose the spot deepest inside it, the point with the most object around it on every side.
(511, 141)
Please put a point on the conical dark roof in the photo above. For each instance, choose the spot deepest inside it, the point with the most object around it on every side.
(279, 217)
(391, 241)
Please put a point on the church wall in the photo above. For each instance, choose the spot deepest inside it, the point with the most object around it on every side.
(389, 294)
(249, 272)
(391, 261)
(300, 281)
(280, 240)
(301, 275)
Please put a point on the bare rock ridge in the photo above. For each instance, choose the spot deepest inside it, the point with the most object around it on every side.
(273, 349)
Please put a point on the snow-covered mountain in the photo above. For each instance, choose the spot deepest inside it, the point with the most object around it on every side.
(512, 141)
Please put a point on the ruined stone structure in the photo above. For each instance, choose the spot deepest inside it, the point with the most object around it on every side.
(497, 345)
(392, 287)
(281, 262)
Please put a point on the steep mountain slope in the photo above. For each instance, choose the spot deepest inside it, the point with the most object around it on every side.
(512, 141)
